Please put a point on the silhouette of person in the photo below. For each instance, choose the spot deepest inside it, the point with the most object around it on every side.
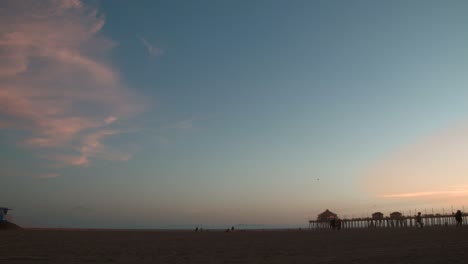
(333, 223)
(232, 228)
(458, 218)
(419, 220)
(338, 224)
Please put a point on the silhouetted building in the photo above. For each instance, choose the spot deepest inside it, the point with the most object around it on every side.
(396, 215)
(377, 216)
(326, 216)
(397, 219)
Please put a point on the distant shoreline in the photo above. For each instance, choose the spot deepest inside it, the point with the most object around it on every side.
(160, 229)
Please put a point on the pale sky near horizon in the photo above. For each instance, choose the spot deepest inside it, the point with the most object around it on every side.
(152, 113)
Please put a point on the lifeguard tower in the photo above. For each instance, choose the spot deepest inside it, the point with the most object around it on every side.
(3, 213)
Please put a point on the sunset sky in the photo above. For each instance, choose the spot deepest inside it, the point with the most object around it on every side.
(155, 114)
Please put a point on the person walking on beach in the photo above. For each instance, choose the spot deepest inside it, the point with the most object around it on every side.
(458, 218)
(419, 220)
(333, 223)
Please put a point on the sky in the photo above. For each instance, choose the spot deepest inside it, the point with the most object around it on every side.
(160, 114)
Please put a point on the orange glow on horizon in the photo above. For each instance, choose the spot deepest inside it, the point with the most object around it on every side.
(431, 171)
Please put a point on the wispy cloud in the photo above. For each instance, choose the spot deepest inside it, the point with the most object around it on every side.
(55, 84)
(184, 124)
(426, 194)
(152, 50)
(46, 175)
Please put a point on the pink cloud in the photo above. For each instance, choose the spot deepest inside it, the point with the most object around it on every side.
(55, 83)
(427, 194)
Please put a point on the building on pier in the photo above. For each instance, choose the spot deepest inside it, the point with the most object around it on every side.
(326, 216)
(377, 219)
(397, 219)
(377, 216)
(323, 219)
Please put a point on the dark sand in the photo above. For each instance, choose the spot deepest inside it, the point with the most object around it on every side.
(8, 226)
(431, 245)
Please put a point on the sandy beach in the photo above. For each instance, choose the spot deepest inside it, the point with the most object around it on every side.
(431, 245)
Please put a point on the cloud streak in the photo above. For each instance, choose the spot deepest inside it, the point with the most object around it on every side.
(55, 84)
(46, 175)
(427, 194)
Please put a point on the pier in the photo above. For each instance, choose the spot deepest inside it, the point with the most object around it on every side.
(400, 221)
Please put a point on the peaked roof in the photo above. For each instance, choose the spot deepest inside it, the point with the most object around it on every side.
(327, 214)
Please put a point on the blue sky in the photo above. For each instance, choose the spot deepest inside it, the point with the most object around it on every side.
(155, 113)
